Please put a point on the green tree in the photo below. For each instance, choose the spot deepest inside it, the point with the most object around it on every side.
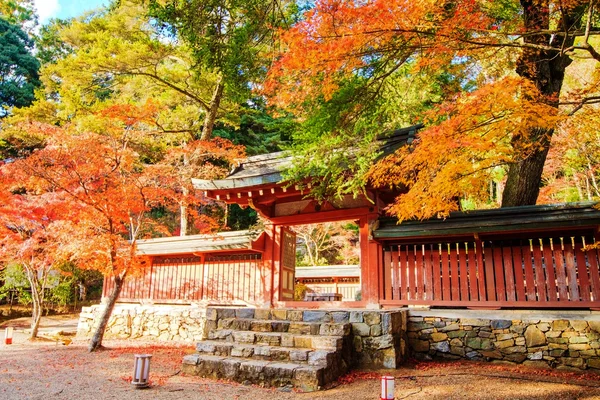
(18, 68)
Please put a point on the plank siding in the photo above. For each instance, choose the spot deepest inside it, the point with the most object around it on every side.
(536, 272)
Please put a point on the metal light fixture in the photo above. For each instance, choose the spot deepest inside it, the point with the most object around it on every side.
(141, 371)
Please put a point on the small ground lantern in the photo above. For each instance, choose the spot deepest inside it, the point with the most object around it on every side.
(141, 371)
(8, 334)
(387, 388)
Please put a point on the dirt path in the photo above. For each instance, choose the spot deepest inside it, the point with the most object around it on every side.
(45, 370)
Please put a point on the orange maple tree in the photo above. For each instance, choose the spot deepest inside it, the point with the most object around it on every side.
(30, 230)
(509, 59)
(108, 195)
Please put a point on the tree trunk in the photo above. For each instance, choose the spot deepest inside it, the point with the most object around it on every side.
(96, 341)
(37, 301)
(545, 69)
(211, 113)
(183, 214)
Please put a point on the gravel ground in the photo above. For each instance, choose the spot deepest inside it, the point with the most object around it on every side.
(48, 370)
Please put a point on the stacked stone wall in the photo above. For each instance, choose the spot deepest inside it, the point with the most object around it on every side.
(160, 322)
(540, 341)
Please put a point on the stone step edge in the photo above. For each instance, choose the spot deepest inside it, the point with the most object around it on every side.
(295, 354)
(319, 342)
(307, 378)
(280, 314)
(322, 328)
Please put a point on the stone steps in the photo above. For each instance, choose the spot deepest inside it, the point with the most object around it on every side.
(306, 349)
(277, 339)
(267, 373)
(314, 357)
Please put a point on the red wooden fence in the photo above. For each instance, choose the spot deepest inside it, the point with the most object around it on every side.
(223, 278)
(537, 272)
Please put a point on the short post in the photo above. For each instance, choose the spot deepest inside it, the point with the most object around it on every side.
(387, 388)
(8, 335)
(141, 371)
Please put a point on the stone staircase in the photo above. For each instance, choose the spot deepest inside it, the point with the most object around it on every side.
(304, 349)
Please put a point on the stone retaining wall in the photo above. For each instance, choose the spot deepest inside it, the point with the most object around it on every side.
(542, 339)
(161, 322)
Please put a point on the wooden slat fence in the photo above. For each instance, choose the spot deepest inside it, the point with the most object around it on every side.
(536, 272)
(222, 278)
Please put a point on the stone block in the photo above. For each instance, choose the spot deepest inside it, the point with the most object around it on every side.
(517, 328)
(502, 344)
(579, 339)
(500, 324)
(240, 324)
(538, 355)
(229, 368)
(316, 316)
(203, 347)
(572, 362)
(211, 314)
(417, 326)
(280, 326)
(379, 342)
(553, 334)
(473, 355)
(262, 313)
(295, 315)
(514, 349)
(516, 357)
(356, 316)
(569, 334)
(372, 318)
(475, 322)
(361, 329)
(308, 379)
(594, 325)
(579, 326)
(270, 339)
(279, 314)
(252, 370)
(442, 347)
(504, 336)
(419, 345)
(242, 351)
(321, 358)
(479, 343)
(334, 329)
(225, 313)
(495, 354)
(243, 337)
(287, 340)
(340, 317)
(299, 355)
(456, 342)
(543, 326)
(579, 346)
(457, 350)
(376, 330)
(593, 363)
(244, 313)
(560, 325)
(280, 374)
(303, 328)
(326, 342)
(485, 334)
(438, 336)
(534, 336)
(449, 328)
(262, 351)
(302, 341)
(190, 359)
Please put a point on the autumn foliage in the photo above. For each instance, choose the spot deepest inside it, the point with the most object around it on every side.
(503, 64)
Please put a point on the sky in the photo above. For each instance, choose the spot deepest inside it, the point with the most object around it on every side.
(47, 9)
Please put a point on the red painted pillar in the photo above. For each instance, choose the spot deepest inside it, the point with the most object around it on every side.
(370, 264)
(268, 267)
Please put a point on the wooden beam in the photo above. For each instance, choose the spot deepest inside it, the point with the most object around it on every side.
(323, 216)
